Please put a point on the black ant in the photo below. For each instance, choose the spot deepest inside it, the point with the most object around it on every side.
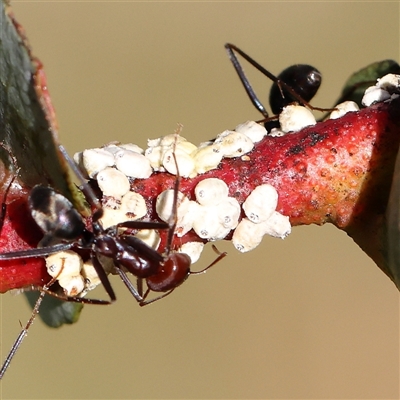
(64, 229)
(297, 83)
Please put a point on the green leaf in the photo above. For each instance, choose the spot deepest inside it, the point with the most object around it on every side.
(393, 226)
(24, 123)
(54, 312)
(28, 130)
(355, 86)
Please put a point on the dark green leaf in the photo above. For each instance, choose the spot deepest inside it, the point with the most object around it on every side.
(55, 312)
(355, 86)
(28, 130)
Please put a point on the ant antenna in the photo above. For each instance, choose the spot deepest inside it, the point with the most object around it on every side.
(174, 212)
(24, 331)
(221, 255)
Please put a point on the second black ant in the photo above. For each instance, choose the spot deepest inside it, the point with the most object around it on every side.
(298, 83)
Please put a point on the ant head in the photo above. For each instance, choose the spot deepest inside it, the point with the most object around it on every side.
(304, 79)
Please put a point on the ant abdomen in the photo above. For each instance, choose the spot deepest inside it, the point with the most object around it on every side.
(54, 213)
(172, 273)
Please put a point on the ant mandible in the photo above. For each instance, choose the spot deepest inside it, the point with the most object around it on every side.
(299, 83)
(64, 229)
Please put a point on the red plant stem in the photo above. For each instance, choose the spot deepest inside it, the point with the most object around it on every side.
(337, 171)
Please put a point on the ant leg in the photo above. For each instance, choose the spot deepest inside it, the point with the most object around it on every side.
(103, 277)
(139, 286)
(218, 259)
(36, 252)
(142, 225)
(242, 76)
(135, 293)
(82, 300)
(23, 333)
(145, 302)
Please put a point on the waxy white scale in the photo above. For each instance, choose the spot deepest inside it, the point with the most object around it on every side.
(95, 160)
(217, 213)
(193, 250)
(233, 144)
(131, 207)
(277, 225)
(261, 203)
(207, 158)
(247, 235)
(293, 118)
(228, 212)
(165, 201)
(343, 108)
(255, 132)
(67, 265)
(262, 219)
(186, 163)
(385, 88)
(150, 237)
(132, 164)
(211, 191)
(113, 183)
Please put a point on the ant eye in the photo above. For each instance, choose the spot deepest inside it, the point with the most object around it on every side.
(314, 78)
(304, 79)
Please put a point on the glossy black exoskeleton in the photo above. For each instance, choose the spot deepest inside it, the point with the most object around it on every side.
(304, 79)
(298, 83)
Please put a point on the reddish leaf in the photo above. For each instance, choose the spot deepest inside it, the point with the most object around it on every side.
(27, 129)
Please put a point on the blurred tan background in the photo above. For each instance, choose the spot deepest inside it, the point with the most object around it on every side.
(309, 317)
